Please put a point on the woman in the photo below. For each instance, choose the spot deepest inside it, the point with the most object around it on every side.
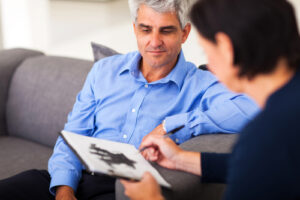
(252, 46)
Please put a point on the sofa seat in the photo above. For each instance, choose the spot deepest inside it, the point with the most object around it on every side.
(19, 154)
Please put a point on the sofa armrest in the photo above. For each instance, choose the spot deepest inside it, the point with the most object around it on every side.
(189, 186)
(9, 61)
(218, 143)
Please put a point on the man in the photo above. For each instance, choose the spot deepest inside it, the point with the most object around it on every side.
(126, 96)
(265, 161)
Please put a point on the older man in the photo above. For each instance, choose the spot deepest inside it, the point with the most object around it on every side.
(127, 96)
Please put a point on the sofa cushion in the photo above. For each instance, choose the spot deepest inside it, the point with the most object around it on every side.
(42, 93)
(17, 155)
(100, 51)
(219, 143)
(10, 60)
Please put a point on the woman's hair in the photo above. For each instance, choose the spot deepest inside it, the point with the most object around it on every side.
(181, 7)
(262, 31)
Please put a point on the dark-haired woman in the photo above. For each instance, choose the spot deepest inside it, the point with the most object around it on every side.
(252, 46)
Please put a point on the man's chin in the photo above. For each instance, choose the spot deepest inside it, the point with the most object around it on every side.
(156, 61)
(157, 64)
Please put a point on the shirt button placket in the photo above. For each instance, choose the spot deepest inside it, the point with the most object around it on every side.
(135, 106)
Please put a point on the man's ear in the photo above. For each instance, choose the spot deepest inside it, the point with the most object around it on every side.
(134, 28)
(225, 46)
(186, 31)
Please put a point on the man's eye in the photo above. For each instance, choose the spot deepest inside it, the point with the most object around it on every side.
(167, 31)
(146, 30)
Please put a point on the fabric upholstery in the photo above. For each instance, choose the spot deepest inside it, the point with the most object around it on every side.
(10, 60)
(101, 51)
(42, 93)
(203, 67)
(219, 143)
(188, 186)
(17, 155)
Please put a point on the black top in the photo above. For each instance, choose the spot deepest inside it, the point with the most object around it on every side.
(265, 163)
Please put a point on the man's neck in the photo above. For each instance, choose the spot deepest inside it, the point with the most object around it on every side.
(263, 86)
(155, 73)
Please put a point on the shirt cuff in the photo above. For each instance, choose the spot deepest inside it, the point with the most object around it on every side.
(176, 121)
(69, 178)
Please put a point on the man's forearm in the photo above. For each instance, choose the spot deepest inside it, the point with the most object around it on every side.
(189, 162)
(64, 192)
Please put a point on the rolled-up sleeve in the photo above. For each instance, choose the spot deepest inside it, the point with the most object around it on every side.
(219, 111)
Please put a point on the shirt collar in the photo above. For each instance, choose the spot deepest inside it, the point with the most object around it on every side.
(177, 75)
(132, 64)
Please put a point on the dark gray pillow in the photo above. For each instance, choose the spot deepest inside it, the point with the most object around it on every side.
(100, 51)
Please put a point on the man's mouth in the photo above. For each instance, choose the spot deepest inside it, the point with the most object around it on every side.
(156, 52)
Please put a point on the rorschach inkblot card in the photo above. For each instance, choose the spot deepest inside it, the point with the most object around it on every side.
(112, 158)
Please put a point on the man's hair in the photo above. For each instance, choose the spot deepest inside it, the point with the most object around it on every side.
(180, 7)
(262, 31)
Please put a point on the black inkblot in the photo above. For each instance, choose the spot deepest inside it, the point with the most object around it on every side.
(111, 158)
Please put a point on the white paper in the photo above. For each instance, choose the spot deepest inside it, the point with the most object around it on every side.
(113, 158)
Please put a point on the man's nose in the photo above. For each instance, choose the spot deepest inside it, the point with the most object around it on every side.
(156, 40)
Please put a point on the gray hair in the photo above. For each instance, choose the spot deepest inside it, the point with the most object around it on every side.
(181, 7)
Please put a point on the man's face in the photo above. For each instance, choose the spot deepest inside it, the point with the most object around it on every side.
(159, 37)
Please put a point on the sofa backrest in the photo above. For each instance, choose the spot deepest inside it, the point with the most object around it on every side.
(42, 93)
(9, 61)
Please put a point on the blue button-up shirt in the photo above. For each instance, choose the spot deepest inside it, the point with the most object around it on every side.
(117, 103)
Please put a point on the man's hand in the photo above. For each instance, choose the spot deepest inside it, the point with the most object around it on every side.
(64, 193)
(157, 131)
(146, 189)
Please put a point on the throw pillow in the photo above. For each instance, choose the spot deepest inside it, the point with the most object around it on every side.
(101, 51)
(203, 67)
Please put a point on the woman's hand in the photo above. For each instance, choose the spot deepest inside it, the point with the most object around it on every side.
(146, 189)
(167, 154)
(161, 150)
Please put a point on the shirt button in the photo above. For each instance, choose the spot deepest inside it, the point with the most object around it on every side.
(133, 110)
(146, 86)
(124, 136)
(177, 140)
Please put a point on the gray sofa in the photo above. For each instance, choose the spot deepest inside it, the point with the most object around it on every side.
(37, 92)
